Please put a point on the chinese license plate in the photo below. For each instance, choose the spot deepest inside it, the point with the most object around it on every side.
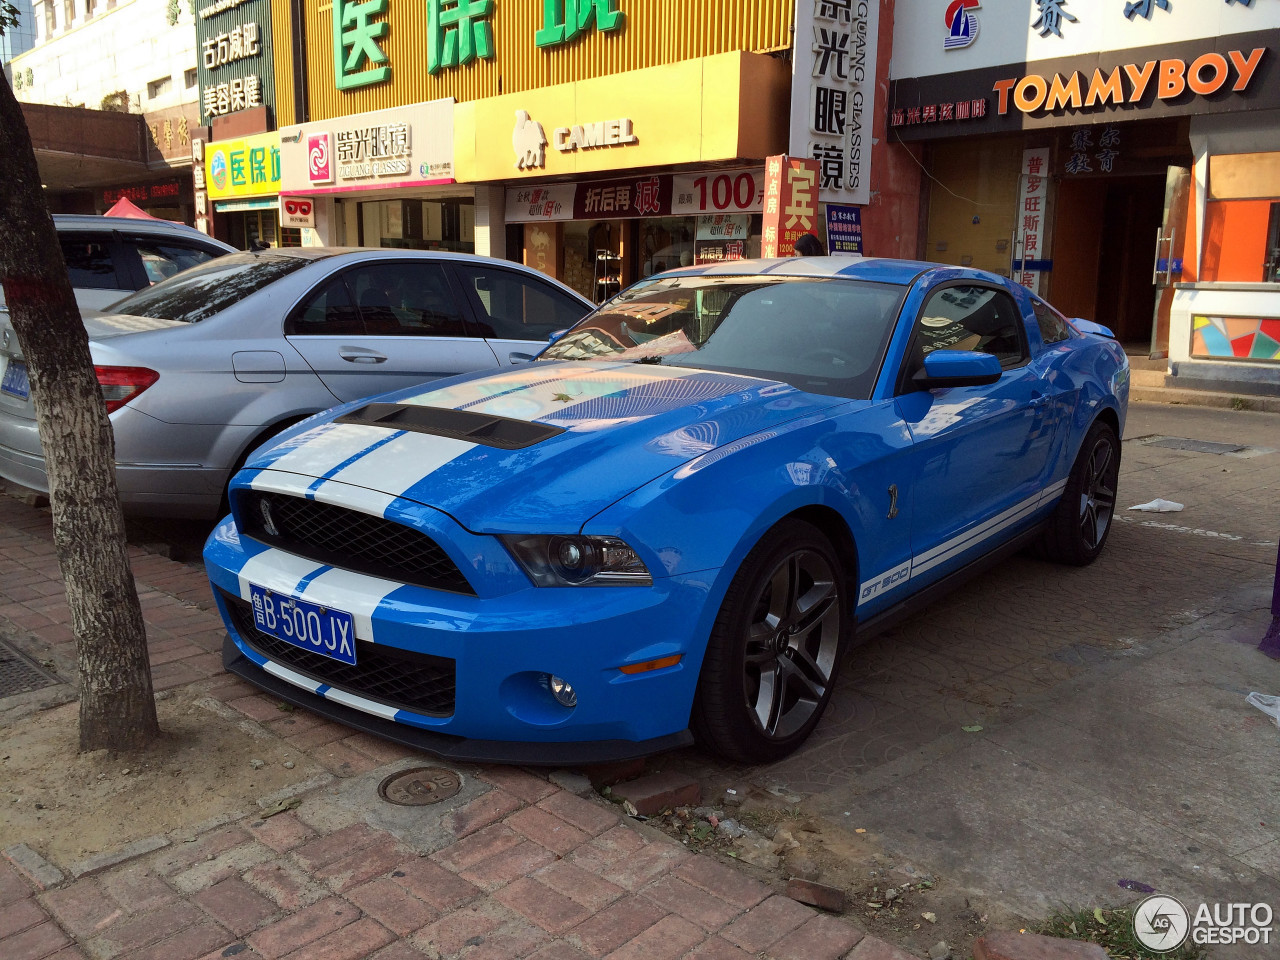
(14, 381)
(307, 625)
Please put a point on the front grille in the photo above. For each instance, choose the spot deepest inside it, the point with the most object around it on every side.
(398, 678)
(351, 540)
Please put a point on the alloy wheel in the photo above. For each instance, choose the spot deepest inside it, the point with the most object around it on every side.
(1098, 498)
(791, 644)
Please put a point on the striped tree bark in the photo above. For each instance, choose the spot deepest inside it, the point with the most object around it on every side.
(117, 709)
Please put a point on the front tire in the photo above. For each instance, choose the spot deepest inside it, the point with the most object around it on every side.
(1080, 524)
(774, 649)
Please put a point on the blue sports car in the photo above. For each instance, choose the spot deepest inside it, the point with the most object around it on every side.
(676, 521)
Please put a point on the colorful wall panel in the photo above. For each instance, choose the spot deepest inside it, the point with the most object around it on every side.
(1242, 338)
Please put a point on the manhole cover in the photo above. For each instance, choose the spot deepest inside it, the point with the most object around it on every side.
(420, 786)
(19, 674)
(1196, 446)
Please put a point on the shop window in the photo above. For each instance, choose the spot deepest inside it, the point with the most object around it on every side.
(1271, 267)
(969, 318)
(89, 262)
(409, 299)
(1053, 325)
(327, 312)
(513, 306)
(290, 237)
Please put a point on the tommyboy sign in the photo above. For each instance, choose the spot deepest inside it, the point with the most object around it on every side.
(1215, 75)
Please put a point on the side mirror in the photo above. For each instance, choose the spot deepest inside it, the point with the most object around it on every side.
(957, 368)
(1088, 326)
(556, 335)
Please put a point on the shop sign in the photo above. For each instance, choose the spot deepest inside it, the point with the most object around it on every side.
(962, 24)
(170, 133)
(234, 70)
(297, 212)
(720, 237)
(162, 191)
(1085, 153)
(247, 167)
(1031, 224)
(658, 195)
(844, 230)
(1204, 77)
(402, 146)
(529, 141)
(565, 20)
(790, 204)
(833, 93)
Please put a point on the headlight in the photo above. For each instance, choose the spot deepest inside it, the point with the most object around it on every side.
(574, 561)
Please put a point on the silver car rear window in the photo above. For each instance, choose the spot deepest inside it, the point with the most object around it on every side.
(197, 294)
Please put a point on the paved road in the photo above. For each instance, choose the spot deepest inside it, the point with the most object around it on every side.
(1116, 740)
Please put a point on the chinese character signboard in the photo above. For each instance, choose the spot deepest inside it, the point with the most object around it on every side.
(833, 93)
(167, 192)
(790, 204)
(719, 193)
(234, 66)
(844, 230)
(403, 146)
(170, 132)
(297, 212)
(721, 236)
(247, 167)
(1031, 222)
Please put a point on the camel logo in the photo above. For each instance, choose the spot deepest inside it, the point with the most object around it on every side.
(529, 141)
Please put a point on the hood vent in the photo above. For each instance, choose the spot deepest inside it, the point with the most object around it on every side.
(483, 428)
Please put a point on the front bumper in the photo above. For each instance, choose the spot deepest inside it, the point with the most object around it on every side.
(500, 650)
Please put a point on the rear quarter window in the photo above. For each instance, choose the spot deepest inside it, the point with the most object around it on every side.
(200, 292)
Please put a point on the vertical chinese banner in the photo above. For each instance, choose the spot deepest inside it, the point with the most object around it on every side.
(833, 94)
(790, 203)
(1031, 221)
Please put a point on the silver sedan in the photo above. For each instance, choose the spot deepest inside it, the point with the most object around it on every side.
(202, 368)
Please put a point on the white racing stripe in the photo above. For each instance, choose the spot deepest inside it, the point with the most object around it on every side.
(364, 499)
(396, 466)
(356, 593)
(360, 703)
(323, 451)
(287, 675)
(276, 570)
(944, 552)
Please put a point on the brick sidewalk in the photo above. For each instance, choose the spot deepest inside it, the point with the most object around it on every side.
(524, 869)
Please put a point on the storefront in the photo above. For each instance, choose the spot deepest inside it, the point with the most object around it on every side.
(611, 179)
(242, 177)
(1064, 149)
(381, 179)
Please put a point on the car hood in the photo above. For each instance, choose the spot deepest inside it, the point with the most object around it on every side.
(612, 428)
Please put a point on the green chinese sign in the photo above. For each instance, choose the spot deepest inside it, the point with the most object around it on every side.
(564, 20)
(357, 59)
(458, 33)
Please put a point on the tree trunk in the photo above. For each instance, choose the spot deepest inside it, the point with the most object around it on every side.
(117, 709)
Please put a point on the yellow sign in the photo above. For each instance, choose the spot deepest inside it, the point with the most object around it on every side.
(727, 107)
(248, 167)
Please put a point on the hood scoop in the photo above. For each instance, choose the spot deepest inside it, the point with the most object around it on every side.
(482, 428)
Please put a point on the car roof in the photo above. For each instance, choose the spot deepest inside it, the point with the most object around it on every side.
(875, 269)
(90, 221)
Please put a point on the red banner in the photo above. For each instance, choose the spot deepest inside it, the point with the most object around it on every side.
(790, 203)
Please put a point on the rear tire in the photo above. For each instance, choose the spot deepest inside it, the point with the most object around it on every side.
(774, 649)
(1080, 524)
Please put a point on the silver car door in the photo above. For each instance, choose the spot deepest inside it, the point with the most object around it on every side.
(382, 326)
(517, 311)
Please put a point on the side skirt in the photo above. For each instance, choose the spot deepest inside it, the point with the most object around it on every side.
(866, 629)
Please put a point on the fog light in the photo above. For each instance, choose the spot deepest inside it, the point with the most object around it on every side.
(564, 693)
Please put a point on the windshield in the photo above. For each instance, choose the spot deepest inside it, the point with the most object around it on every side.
(821, 335)
(199, 293)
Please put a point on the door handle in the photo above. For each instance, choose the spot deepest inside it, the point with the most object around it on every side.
(360, 355)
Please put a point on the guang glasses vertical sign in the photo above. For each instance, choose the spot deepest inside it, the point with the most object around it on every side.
(833, 93)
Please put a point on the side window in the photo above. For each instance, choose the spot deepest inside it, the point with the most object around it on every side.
(89, 261)
(1053, 326)
(407, 299)
(327, 311)
(161, 259)
(514, 306)
(970, 318)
